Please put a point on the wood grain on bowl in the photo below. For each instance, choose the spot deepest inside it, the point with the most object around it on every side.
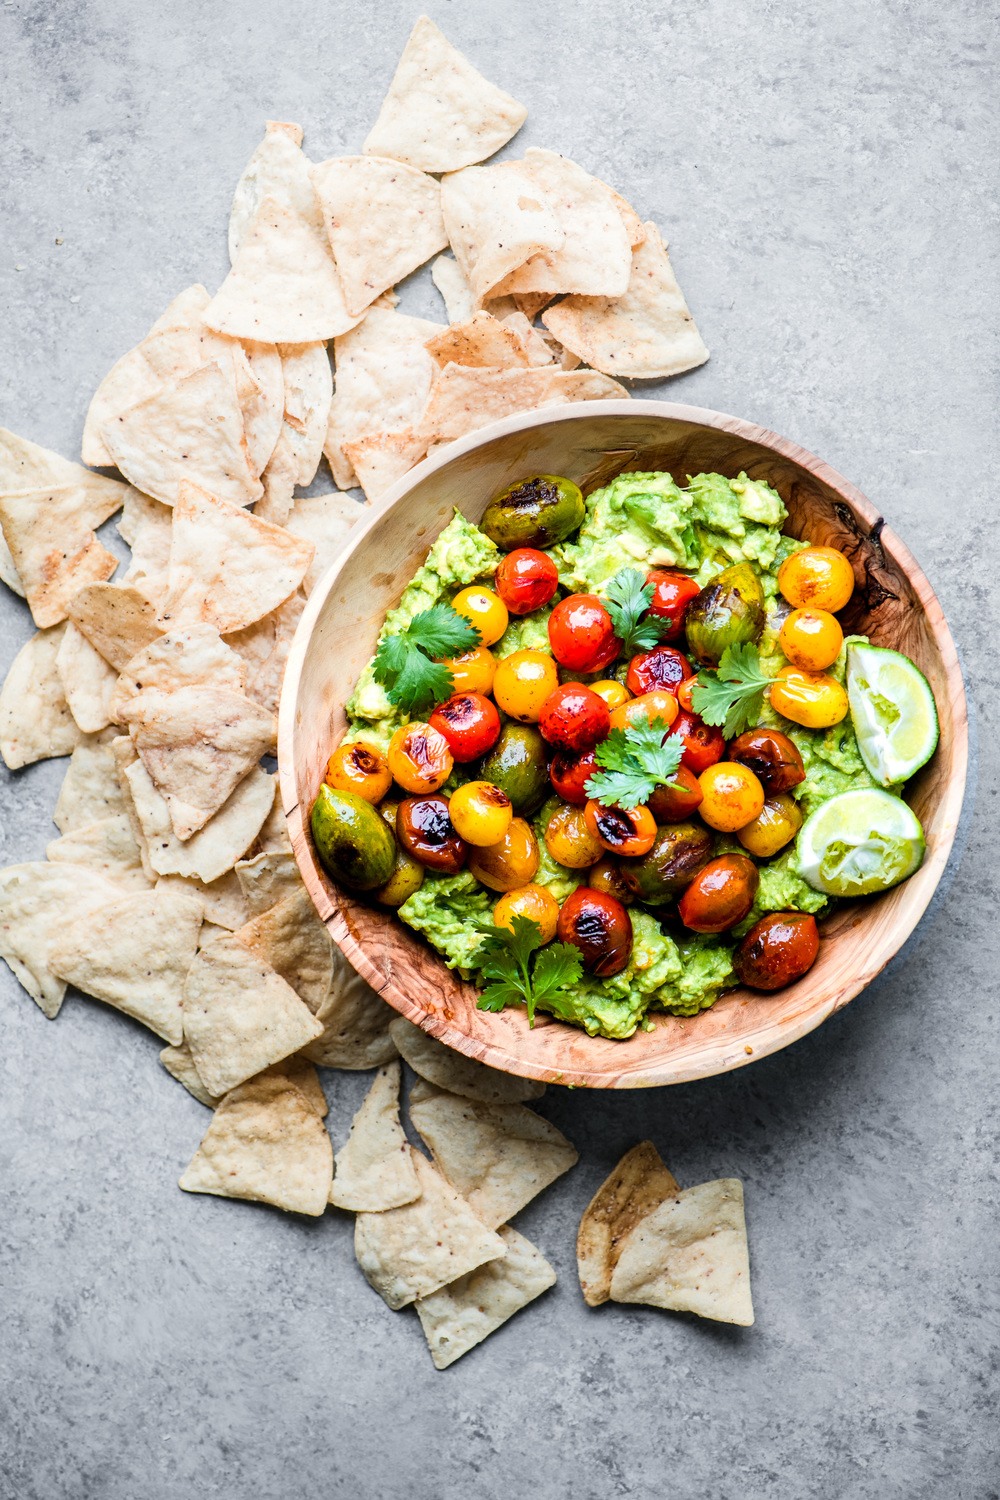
(591, 443)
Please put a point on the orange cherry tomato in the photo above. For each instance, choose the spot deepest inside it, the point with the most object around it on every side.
(359, 768)
(581, 634)
(685, 691)
(720, 895)
(811, 639)
(523, 682)
(420, 758)
(816, 578)
(732, 796)
(658, 704)
(511, 863)
(570, 839)
(812, 699)
(630, 833)
(534, 903)
(473, 671)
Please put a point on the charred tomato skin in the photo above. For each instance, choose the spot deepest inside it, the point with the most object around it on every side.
(574, 718)
(606, 876)
(570, 773)
(704, 744)
(663, 667)
(535, 512)
(772, 757)
(470, 724)
(600, 927)
(425, 830)
(581, 634)
(720, 895)
(777, 950)
(629, 833)
(526, 580)
(672, 593)
(673, 804)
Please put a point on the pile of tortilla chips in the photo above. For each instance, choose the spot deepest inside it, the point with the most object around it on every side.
(171, 892)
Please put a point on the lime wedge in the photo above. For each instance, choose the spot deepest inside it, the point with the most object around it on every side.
(858, 843)
(893, 712)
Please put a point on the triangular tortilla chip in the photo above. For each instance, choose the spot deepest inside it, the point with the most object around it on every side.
(227, 568)
(412, 1251)
(539, 349)
(308, 387)
(35, 719)
(197, 743)
(373, 1170)
(283, 287)
(324, 520)
(27, 466)
(498, 1156)
(481, 340)
(267, 879)
(496, 218)
(273, 837)
(355, 1021)
(266, 1144)
(240, 1016)
(117, 619)
(461, 1315)
(638, 1184)
(90, 790)
(292, 939)
(8, 572)
(222, 902)
(449, 278)
(277, 169)
(108, 846)
(191, 428)
(463, 399)
(383, 220)
(87, 679)
(647, 333)
(381, 458)
(440, 114)
(214, 849)
(266, 657)
(50, 533)
(180, 1065)
(36, 901)
(456, 1074)
(690, 1255)
(634, 227)
(262, 401)
(145, 525)
(190, 656)
(134, 954)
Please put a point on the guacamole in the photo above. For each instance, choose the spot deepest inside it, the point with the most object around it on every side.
(640, 520)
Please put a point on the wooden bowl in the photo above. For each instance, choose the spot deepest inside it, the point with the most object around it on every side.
(591, 443)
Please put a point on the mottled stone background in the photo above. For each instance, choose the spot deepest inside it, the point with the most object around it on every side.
(826, 175)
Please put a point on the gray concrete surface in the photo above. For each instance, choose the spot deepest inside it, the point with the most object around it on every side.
(827, 178)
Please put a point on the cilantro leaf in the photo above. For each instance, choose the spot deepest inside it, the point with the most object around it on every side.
(627, 599)
(505, 959)
(404, 663)
(634, 762)
(733, 695)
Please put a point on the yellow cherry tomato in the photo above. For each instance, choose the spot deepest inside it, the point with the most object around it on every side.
(816, 578)
(522, 683)
(570, 840)
(511, 863)
(613, 693)
(361, 769)
(473, 671)
(533, 902)
(811, 699)
(485, 610)
(481, 813)
(419, 758)
(773, 828)
(811, 639)
(732, 796)
(658, 704)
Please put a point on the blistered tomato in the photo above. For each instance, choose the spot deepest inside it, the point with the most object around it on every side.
(816, 578)
(522, 683)
(534, 903)
(484, 609)
(470, 724)
(606, 876)
(481, 813)
(614, 693)
(473, 671)
(685, 694)
(720, 895)
(663, 667)
(581, 634)
(600, 927)
(771, 756)
(419, 757)
(774, 827)
(811, 699)
(570, 773)
(570, 840)
(426, 832)
(511, 863)
(811, 639)
(574, 718)
(629, 833)
(359, 768)
(777, 950)
(526, 580)
(679, 799)
(732, 796)
(650, 707)
(703, 743)
(672, 593)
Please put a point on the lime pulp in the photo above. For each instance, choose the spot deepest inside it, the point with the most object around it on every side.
(893, 712)
(859, 843)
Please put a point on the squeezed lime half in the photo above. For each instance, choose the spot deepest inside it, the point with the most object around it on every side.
(893, 713)
(859, 843)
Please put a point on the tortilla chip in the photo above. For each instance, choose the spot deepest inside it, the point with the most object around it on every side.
(373, 1170)
(497, 218)
(482, 341)
(214, 849)
(647, 333)
(26, 466)
(355, 1023)
(117, 619)
(90, 790)
(8, 572)
(380, 459)
(690, 1255)
(634, 227)
(324, 520)
(291, 938)
(191, 656)
(384, 375)
(36, 902)
(180, 1065)
(262, 401)
(87, 680)
(191, 428)
(461, 1315)
(638, 1184)
(308, 385)
(134, 954)
(440, 114)
(498, 1156)
(383, 220)
(283, 287)
(35, 719)
(267, 879)
(107, 845)
(456, 1074)
(411, 1251)
(227, 567)
(240, 1016)
(272, 837)
(539, 349)
(266, 1144)
(222, 902)
(197, 743)
(51, 536)
(463, 399)
(449, 278)
(530, 304)
(265, 647)
(146, 525)
(277, 169)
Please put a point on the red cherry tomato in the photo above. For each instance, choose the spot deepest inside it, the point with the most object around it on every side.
(663, 667)
(574, 717)
(581, 634)
(684, 691)
(570, 773)
(672, 593)
(470, 724)
(526, 579)
(703, 743)
(600, 927)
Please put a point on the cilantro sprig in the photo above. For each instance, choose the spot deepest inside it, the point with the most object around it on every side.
(733, 695)
(523, 971)
(634, 762)
(627, 599)
(405, 663)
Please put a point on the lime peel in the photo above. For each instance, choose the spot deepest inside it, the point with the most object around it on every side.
(859, 843)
